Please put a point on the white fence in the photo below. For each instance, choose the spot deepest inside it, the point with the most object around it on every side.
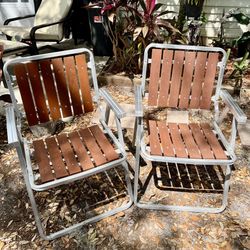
(213, 10)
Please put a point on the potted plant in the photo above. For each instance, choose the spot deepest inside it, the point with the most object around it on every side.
(133, 25)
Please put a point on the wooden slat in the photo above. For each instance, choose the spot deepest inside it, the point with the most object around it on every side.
(192, 148)
(62, 87)
(103, 142)
(50, 89)
(84, 83)
(92, 146)
(209, 80)
(166, 143)
(56, 158)
(199, 75)
(213, 142)
(179, 146)
(176, 78)
(154, 143)
(201, 141)
(165, 78)
(187, 79)
(80, 151)
(70, 68)
(154, 77)
(41, 156)
(25, 91)
(38, 93)
(68, 154)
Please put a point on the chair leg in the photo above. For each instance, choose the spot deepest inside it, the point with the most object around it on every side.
(195, 209)
(137, 173)
(33, 48)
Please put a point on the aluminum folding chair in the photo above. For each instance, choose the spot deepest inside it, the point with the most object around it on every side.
(184, 77)
(55, 86)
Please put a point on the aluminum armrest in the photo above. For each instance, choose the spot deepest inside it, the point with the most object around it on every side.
(117, 109)
(138, 101)
(6, 22)
(233, 106)
(11, 125)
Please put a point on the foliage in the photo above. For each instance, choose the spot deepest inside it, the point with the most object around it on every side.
(243, 19)
(133, 25)
(240, 68)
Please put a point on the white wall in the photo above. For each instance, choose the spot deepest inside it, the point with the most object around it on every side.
(213, 10)
(10, 9)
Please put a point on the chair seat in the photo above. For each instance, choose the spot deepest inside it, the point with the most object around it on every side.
(70, 153)
(192, 141)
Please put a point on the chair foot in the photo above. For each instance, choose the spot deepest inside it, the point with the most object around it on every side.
(181, 208)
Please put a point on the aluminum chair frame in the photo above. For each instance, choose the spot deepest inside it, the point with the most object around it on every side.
(139, 138)
(13, 117)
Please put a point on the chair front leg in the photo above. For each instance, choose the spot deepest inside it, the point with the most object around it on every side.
(138, 137)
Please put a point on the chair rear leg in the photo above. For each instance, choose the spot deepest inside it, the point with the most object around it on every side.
(128, 181)
(33, 48)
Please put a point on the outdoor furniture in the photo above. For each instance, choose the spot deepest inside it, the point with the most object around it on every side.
(56, 86)
(184, 78)
(12, 47)
(49, 24)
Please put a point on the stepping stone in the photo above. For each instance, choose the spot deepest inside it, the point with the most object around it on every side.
(177, 116)
(127, 122)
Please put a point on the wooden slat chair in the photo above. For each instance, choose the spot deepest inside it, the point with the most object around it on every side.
(182, 78)
(55, 86)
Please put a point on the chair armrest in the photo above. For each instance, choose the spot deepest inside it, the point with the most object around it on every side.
(11, 125)
(138, 101)
(6, 22)
(35, 28)
(116, 108)
(233, 106)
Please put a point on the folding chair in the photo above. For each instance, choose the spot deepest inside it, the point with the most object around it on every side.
(184, 77)
(49, 24)
(55, 86)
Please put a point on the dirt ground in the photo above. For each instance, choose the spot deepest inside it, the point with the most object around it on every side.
(134, 228)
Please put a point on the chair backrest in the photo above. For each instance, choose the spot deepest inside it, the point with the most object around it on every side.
(55, 85)
(52, 11)
(182, 76)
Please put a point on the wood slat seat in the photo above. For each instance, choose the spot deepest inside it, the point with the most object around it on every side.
(70, 153)
(194, 141)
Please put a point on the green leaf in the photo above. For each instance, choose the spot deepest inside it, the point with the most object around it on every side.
(158, 6)
(145, 31)
(165, 12)
(143, 5)
(137, 33)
